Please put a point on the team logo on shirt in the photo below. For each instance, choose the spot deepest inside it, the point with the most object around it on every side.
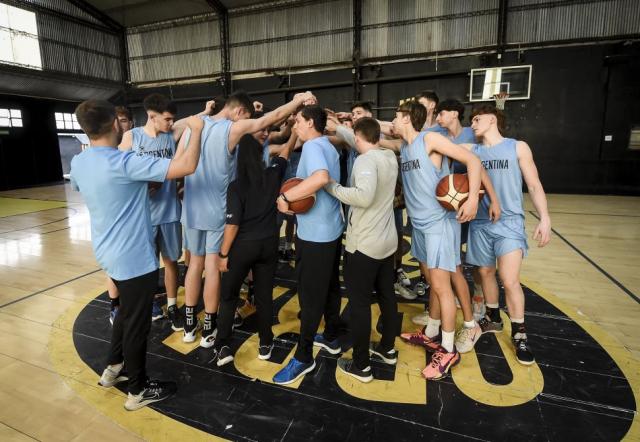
(410, 165)
(495, 164)
(164, 152)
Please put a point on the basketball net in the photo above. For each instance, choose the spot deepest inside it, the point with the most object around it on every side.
(501, 99)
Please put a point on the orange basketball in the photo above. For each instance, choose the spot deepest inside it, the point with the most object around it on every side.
(453, 190)
(300, 206)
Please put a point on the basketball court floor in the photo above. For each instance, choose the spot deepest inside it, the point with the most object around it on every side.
(583, 305)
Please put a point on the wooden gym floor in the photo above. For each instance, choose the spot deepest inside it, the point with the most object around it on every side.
(48, 276)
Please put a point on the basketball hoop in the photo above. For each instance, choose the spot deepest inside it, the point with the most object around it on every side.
(501, 99)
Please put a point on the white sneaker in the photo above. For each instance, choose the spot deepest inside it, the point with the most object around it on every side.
(111, 376)
(209, 340)
(404, 292)
(421, 319)
(402, 278)
(467, 338)
(190, 336)
(153, 392)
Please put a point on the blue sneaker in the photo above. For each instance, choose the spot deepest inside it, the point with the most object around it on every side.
(112, 314)
(332, 347)
(156, 311)
(293, 371)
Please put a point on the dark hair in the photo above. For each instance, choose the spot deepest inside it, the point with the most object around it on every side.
(368, 128)
(416, 111)
(429, 95)
(250, 168)
(242, 99)
(451, 105)
(364, 105)
(317, 114)
(122, 110)
(159, 103)
(96, 117)
(484, 109)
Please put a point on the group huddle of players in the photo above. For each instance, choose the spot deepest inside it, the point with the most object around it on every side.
(232, 210)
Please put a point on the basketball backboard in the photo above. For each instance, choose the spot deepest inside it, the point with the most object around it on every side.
(487, 82)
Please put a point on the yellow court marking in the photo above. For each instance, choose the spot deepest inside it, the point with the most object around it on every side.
(629, 365)
(18, 206)
(147, 423)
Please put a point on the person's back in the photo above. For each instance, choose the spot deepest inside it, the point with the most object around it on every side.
(123, 208)
(371, 229)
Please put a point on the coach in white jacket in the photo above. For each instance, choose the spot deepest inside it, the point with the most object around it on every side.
(370, 247)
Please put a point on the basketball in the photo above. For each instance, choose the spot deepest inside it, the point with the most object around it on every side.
(300, 206)
(453, 190)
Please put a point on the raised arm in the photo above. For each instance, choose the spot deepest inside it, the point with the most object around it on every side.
(542, 232)
(242, 127)
(283, 134)
(185, 162)
(180, 125)
(127, 141)
(438, 143)
(393, 145)
(363, 191)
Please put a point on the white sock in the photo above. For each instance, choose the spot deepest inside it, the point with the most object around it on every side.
(447, 340)
(433, 327)
(171, 301)
(493, 305)
(470, 324)
(517, 321)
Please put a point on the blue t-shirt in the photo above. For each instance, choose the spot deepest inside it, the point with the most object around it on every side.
(205, 191)
(324, 222)
(164, 204)
(266, 156)
(436, 128)
(114, 186)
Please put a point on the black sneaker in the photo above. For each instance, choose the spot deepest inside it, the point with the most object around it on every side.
(224, 356)
(264, 352)
(489, 326)
(154, 391)
(347, 366)
(237, 320)
(524, 355)
(176, 317)
(388, 357)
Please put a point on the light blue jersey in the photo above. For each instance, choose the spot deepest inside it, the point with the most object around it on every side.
(164, 204)
(114, 187)
(489, 241)
(205, 193)
(266, 156)
(502, 166)
(466, 137)
(437, 129)
(420, 178)
(324, 222)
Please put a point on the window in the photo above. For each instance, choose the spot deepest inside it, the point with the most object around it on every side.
(10, 118)
(19, 37)
(67, 121)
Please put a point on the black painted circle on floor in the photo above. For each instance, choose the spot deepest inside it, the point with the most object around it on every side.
(585, 395)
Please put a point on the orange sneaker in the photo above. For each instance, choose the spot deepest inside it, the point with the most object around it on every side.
(441, 362)
(419, 338)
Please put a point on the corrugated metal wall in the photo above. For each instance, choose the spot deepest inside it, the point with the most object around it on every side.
(77, 49)
(405, 27)
(313, 34)
(182, 48)
(547, 20)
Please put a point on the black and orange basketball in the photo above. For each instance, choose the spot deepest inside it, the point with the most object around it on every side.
(453, 190)
(300, 206)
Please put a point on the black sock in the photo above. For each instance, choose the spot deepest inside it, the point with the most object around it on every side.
(210, 323)
(518, 329)
(190, 317)
(115, 302)
(493, 314)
